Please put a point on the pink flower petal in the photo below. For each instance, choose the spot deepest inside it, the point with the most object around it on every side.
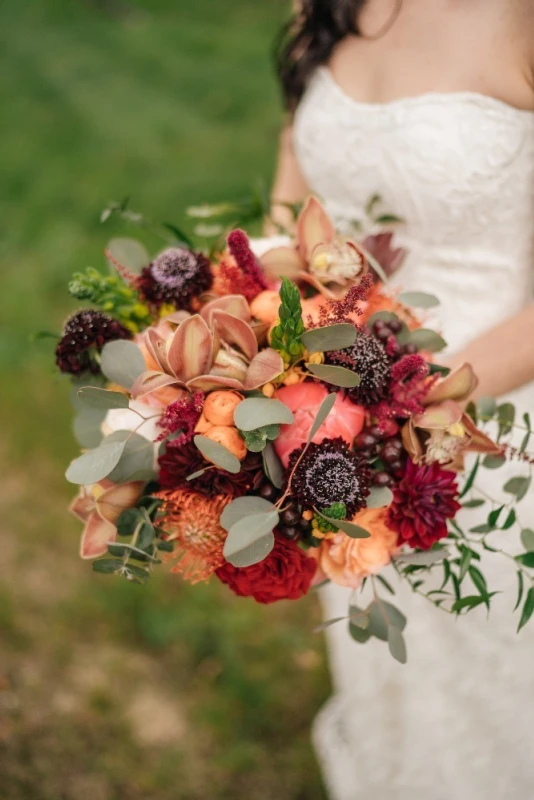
(265, 367)
(189, 353)
(112, 503)
(96, 534)
(314, 227)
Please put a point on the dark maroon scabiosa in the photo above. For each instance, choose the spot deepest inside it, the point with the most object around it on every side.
(177, 276)
(182, 460)
(84, 335)
(329, 473)
(369, 359)
(424, 499)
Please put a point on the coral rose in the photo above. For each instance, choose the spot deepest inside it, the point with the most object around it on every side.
(286, 574)
(229, 438)
(348, 561)
(304, 399)
(219, 407)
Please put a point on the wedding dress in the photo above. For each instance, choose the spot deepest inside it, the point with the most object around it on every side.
(455, 723)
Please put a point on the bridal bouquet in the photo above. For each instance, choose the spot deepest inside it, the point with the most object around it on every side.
(278, 422)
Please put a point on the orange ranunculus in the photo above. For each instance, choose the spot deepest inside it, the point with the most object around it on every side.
(348, 561)
(304, 399)
(229, 438)
(219, 407)
(265, 306)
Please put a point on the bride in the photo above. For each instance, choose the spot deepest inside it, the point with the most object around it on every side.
(430, 104)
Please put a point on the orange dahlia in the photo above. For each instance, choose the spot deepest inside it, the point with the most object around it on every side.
(191, 522)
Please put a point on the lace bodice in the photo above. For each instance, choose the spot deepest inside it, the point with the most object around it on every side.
(458, 168)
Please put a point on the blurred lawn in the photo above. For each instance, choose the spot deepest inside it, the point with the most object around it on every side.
(108, 690)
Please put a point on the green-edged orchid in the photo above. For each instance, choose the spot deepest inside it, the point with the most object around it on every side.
(320, 257)
(99, 507)
(217, 348)
(443, 432)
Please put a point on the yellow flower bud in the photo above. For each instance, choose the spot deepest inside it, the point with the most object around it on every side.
(268, 390)
(316, 358)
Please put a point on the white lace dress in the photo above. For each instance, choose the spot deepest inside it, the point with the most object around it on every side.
(456, 723)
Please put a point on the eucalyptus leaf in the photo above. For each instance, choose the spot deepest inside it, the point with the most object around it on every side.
(217, 454)
(128, 521)
(493, 462)
(87, 427)
(137, 459)
(243, 507)
(352, 530)
(358, 624)
(337, 376)
(102, 398)
(518, 486)
(476, 503)
(379, 497)
(486, 407)
(331, 337)
(273, 466)
(426, 339)
(526, 437)
(471, 478)
(250, 540)
(324, 410)
(122, 362)
(197, 474)
(358, 634)
(423, 558)
(527, 539)
(397, 645)
(472, 601)
(419, 299)
(129, 252)
(520, 588)
(506, 418)
(94, 465)
(328, 624)
(378, 622)
(256, 412)
(118, 549)
(395, 617)
(510, 520)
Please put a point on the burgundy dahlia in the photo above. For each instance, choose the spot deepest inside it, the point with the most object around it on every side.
(85, 333)
(182, 460)
(424, 499)
(177, 276)
(329, 473)
(369, 359)
(286, 574)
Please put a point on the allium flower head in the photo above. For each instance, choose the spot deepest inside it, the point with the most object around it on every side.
(176, 276)
(329, 473)
(424, 499)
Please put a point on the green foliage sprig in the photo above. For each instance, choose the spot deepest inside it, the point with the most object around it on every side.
(335, 511)
(286, 336)
(113, 295)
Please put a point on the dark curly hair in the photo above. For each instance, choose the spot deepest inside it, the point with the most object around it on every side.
(308, 40)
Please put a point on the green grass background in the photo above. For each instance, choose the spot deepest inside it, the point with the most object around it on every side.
(110, 691)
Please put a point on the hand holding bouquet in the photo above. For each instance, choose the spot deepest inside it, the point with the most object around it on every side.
(279, 422)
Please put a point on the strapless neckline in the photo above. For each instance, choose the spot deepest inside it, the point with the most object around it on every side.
(445, 98)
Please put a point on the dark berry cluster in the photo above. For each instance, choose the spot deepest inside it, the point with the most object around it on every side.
(292, 525)
(386, 332)
(84, 335)
(381, 446)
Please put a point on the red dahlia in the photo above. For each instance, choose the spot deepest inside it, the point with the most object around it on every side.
(184, 459)
(424, 500)
(286, 574)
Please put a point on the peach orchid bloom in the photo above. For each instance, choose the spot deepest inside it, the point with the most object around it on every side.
(443, 432)
(320, 258)
(99, 506)
(215, 349)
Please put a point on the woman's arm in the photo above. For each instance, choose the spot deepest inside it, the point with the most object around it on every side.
(289, 185)
(503, 358)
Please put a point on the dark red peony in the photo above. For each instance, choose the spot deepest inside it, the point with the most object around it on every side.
(424, 500)
(286, 574)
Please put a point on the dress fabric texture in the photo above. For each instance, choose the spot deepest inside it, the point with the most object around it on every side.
(457, 720)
